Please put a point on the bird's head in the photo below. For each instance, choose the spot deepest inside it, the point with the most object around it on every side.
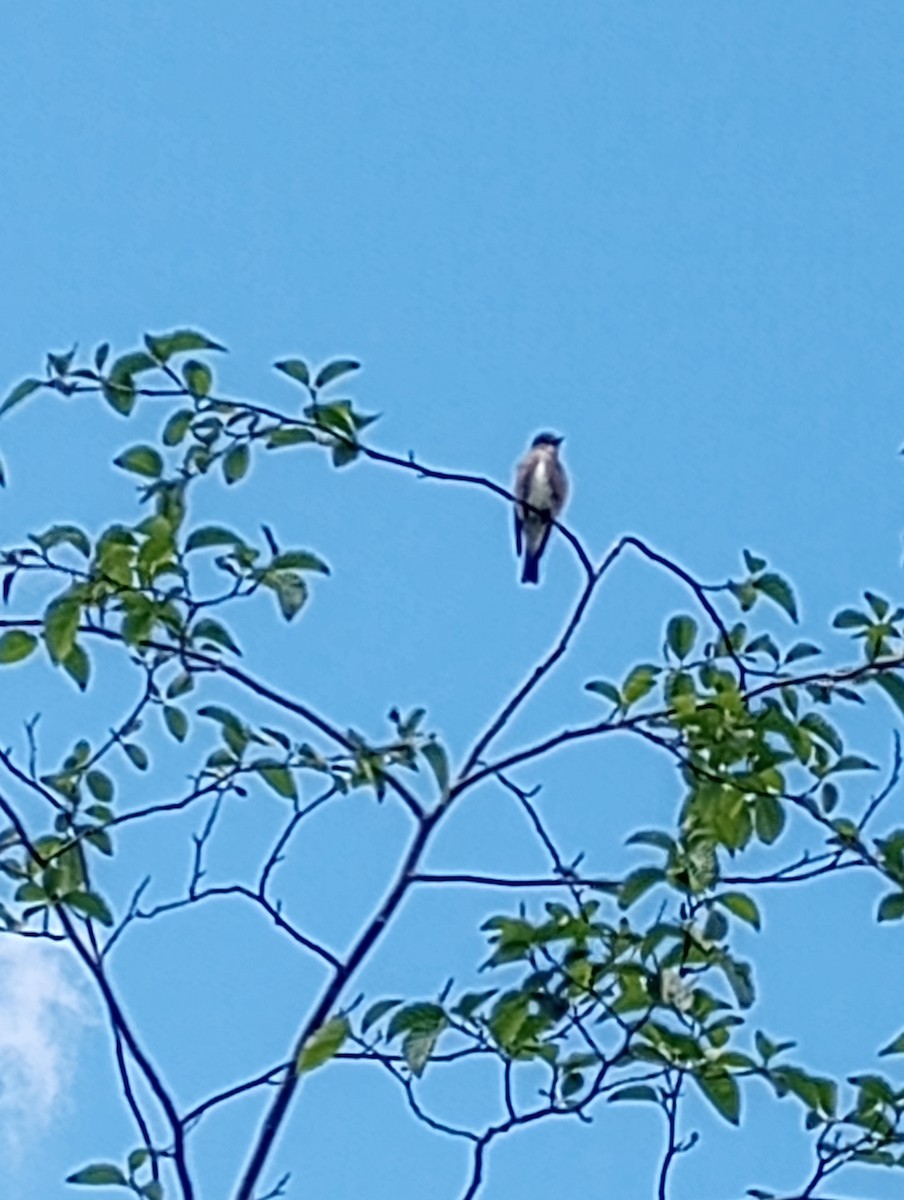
(547, 439)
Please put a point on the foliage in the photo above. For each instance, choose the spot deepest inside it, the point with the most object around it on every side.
(627, 989)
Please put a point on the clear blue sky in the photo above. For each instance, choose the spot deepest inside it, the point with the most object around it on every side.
(671, 232)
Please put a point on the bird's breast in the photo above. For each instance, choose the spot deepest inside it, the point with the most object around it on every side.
(539, 490)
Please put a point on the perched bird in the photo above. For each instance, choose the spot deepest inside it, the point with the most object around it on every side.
(541, 489)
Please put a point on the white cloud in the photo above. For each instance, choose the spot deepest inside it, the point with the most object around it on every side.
(43, 1009)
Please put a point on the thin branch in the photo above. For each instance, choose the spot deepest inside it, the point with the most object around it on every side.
(672, 1093)
(267, 1077)
(886, 791)
(371, 933)
(237, 889)
(538, 674)
(118, 1021)
(505, 881)
(297, 817)
(132, 1101)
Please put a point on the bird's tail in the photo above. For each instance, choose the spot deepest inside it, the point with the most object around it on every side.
(531, 572)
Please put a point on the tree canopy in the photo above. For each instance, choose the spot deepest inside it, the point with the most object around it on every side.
(637, 987)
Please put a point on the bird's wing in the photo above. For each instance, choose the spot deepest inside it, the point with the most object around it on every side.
(520, 489)
(541, 537)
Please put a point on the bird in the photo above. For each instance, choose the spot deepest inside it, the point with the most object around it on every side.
(540, 490)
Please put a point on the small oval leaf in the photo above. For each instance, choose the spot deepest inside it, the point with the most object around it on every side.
(333, 370)
(324, 1044)
(141, 460)
(15, 645)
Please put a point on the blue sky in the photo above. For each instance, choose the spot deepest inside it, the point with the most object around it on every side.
(670, 232)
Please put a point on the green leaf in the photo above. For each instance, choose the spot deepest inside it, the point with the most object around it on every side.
(753, 563)
(99, 1173)
(768, 818)
(212, 631)
(100, 839)
(716, 927)
(601, 688)
(763, 644)
(138, 1158)
(779, 591)
(849, 618)
(828, 797)
(15, 645)
(681, 633)
(469, 1003)
(651, 837)
(821, 728)
(141, 460)
(740, 980)
(417, 1048)
(278, 776)
(61, 619)
(61, 364)
(438, 761)
(820, 1095)
(198, 377)
(152, 1190)
(376, 1012)
(853, 762)
(69, 535)
(721, 1090)
(300, 560)
(163, 346)
(119, 387)
(235, 464)
(100, 785)
(31, 893)
(291, 592)
(177, 427)
(19, 393)
(180, 686)
(176, 722)
(893, 686)
(289, 435)
(344, 453)
(120, 397)
(324, 1044)
(801, 650)
(223, 716)
(137, 755)
(766, 1048)
(892, 907)
(895, 1047)
(637, 883)
(133, 363)
(295, 368)
(211, 535)
(878, 604)
(91, 905)
(332, 370)
(742, 906)
(640, 681)
(77, 665)
(635, 1091)
(421, 1017)
(744, 593)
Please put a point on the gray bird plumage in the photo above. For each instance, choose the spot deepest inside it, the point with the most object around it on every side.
(540, 489)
